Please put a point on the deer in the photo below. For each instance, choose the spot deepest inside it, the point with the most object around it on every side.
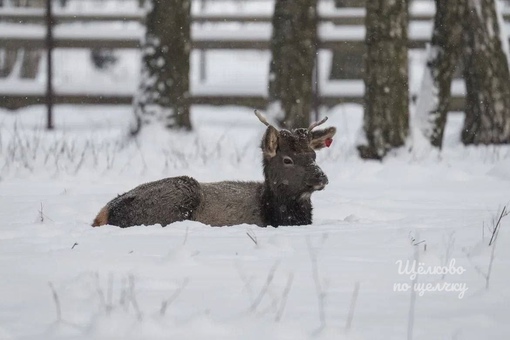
(291, 175)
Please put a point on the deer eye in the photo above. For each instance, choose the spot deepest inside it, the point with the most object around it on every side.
(288, 161)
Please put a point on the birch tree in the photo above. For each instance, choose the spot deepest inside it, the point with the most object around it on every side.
(442, 58)
(471, 31)
(386, 118)
(487, 75)
(163, 95)
(294, 48)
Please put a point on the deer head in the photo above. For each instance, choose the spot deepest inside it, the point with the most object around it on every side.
(289, 158)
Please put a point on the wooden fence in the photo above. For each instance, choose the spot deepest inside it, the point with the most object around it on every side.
(49, 39)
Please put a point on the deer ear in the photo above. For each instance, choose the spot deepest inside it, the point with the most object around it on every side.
(270, 142)
(322, 138)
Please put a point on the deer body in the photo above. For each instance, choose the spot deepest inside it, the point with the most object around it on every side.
(290, 177)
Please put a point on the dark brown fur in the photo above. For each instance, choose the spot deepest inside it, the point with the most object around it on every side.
(282, 199)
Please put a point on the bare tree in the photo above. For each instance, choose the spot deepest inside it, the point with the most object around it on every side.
(163, 96)
(294, 49)
(469, 31)
(442, 59)
(487, 76)
(386, 119)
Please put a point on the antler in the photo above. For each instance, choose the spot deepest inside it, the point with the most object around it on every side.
(264, 121)
(320, 122)
(261, 117)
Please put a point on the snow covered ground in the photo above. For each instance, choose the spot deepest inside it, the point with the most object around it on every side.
(62, 279)
(336, 279)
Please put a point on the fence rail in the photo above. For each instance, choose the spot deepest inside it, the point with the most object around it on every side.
(14, 41)
(30, 38)
(16, 101)
(351, 16)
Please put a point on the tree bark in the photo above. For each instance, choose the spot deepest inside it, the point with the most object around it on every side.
(442, 59)
(487, 76)
(163, 94)
(294, 49)
(386, 118)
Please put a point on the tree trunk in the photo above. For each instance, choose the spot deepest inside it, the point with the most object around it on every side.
(163, 96)
(294, 49)
(386, 118)
(487, 76)
(442, 59)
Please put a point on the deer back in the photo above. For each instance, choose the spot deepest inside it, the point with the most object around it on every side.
(229, 203)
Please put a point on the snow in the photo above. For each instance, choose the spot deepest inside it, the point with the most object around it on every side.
(113, 283)
(261, 8)
(247, 74)
(71, 11)
(264, 9)
(427, 102)
(98, 31)
(418, 31)
(191, 281)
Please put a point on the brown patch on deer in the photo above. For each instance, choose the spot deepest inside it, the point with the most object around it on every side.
(101, 218)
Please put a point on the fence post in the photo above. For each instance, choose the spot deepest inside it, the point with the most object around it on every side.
(202, 70)
(49, 60)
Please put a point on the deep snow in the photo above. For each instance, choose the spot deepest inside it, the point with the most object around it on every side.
(113, 283)
(191, 281)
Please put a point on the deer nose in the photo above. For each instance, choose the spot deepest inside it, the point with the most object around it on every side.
(321, 180)
(324, 179)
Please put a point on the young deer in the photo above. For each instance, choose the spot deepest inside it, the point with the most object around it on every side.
(290, 177)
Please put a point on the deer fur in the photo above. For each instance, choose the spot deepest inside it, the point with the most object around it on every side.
(290, 177)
